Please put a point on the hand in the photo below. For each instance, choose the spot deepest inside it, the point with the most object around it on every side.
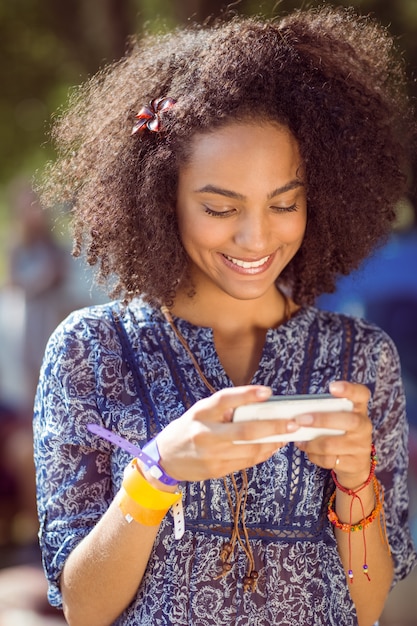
(348, 454)
(199, 445)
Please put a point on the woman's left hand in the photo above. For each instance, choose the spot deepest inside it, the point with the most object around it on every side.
(348, 454)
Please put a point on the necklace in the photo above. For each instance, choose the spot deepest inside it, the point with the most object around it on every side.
(237, 509)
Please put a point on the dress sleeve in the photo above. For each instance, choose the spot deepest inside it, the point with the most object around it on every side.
(73, 473)
(388, 414)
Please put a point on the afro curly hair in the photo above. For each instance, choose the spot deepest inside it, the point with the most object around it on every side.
(333, 77)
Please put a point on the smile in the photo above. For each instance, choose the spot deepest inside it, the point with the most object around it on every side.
(247, 265)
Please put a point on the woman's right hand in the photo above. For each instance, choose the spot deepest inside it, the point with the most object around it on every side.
(200, 444)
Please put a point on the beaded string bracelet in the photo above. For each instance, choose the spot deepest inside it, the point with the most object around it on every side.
(378, 511)
(354, 492)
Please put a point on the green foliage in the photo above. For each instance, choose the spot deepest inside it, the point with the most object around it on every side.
(34, 62)
(46, 46)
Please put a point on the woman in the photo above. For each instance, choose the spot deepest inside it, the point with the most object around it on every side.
(222, 179)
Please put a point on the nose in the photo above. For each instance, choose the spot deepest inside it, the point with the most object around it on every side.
(253, 231)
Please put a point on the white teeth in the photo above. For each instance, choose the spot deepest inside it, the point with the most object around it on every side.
(247, 264)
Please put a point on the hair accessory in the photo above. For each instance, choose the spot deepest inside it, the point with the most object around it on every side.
(378, 511)
(149, 117)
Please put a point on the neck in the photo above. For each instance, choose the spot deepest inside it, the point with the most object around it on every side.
(229, 315)
(239, 326)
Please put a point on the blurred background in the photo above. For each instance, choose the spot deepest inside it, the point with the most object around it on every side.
(47, 47)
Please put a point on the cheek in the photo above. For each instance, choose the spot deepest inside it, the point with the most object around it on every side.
(195, 236)
(204, 234)
(293, 230)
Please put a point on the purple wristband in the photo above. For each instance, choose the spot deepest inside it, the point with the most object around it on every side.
(152, 451)
(149, 455)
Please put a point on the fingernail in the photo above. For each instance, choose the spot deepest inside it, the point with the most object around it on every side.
(336, 386)
(304, 419)
(263, 392)
(291, 427)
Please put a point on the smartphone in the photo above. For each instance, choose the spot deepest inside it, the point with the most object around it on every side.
(286, 407)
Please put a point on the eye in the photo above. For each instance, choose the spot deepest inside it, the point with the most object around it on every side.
(212, 212)
(285, 209)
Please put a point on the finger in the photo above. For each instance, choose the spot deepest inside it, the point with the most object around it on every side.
(219, 407)
(216, 460)
(259, 454)
(351, 468)
(357, 393)
(346, 421)
(327, 461)
(254, 430)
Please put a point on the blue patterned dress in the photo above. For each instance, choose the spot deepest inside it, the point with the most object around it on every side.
(125, 369)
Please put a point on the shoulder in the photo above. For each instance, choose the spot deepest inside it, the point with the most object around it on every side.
(87, 326)
(330, 321)
(98, 320)
(359, 335)
(93, 328)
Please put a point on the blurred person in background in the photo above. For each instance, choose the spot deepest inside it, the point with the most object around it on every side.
(32, 300)
(38, 267)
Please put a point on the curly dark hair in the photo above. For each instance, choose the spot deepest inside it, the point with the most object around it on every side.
(333, 77)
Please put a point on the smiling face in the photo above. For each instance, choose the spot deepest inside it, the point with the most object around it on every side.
(241, 208)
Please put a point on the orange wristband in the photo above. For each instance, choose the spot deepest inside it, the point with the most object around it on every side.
(140, 501)
(133, 511)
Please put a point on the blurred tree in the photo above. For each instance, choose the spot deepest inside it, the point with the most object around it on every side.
(47, 46)
(93, 31)
(200, 10)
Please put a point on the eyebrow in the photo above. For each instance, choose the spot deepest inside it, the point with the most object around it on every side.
(293, 184)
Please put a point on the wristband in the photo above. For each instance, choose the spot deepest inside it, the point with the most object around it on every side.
(150, 458)
(151, 451)
(133, 511)
(140, 501)
(138, 488)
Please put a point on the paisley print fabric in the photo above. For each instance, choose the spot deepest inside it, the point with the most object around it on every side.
(124, 368)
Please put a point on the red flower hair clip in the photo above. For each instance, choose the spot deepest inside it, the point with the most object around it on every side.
(149, 117)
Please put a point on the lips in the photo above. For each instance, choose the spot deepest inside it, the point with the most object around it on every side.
(248, 268)
(248, 265)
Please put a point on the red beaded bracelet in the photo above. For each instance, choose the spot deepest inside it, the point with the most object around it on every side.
(332, 515)
(353, 492)
(349, 527)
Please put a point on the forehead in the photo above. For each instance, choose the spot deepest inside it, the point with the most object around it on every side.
(243, 152)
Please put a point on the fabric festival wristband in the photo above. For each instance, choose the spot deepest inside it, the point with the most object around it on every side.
(151, 451)
(150, 458)
(144, 494)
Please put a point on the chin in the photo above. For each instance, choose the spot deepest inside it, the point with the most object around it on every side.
(246, 295)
